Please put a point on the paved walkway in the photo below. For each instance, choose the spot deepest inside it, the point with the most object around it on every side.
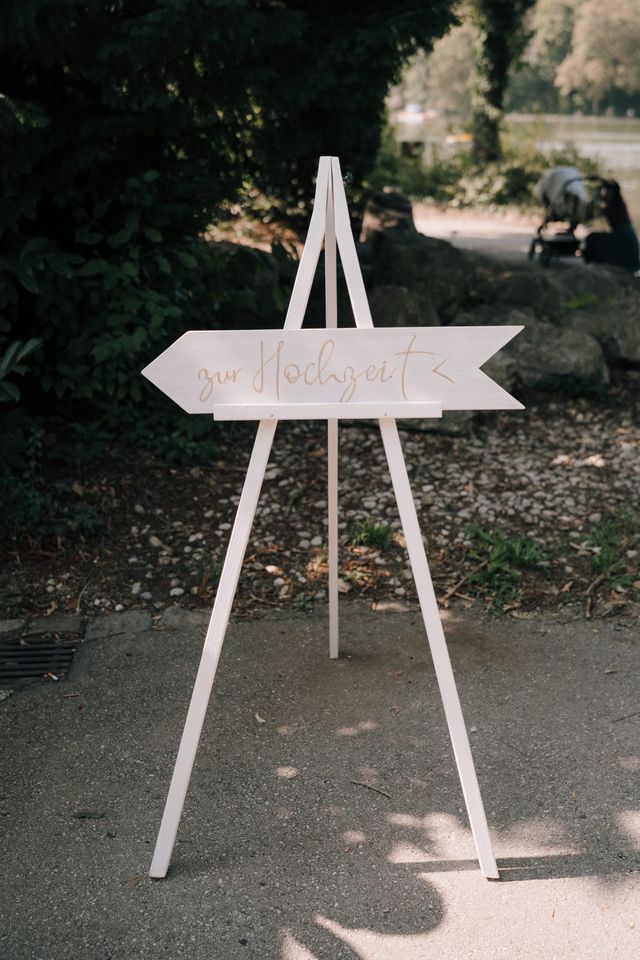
(325, 818)
(494, 234)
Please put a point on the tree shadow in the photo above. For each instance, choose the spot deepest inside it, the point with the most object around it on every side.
(335, 818)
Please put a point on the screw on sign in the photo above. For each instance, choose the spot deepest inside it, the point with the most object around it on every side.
(381, 373)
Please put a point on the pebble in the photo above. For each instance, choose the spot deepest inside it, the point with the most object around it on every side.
(135, 589)
(139, 508)
(316, 541)
(174, 592)
(155, 541)
(146, 595)
(118, 607)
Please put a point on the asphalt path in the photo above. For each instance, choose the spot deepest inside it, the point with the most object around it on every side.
(325, 819)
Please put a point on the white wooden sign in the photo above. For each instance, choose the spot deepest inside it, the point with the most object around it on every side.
(330, 373)
(295, 373)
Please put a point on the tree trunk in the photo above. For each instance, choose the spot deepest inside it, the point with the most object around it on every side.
(492, 67)
(500, 42)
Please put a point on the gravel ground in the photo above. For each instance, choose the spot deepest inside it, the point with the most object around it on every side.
(532, 510)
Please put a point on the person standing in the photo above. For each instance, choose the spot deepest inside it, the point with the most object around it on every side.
(618, 247)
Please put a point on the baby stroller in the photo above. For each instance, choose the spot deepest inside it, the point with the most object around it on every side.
(564, 195)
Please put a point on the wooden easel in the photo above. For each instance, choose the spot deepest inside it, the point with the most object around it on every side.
(329, 226)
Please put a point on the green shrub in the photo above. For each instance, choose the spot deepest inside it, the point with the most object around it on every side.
(500, 561)
(31, 503)
(457, 181)
(369, 533)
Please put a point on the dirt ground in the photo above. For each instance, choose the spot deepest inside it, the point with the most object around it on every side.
(531, 510)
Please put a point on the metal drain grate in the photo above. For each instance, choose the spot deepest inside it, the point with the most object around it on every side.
(34, 658)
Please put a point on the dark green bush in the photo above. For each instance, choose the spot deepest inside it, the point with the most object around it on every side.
(126, 128)
(456, 180)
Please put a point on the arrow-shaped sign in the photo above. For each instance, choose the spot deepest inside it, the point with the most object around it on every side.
(392, 371)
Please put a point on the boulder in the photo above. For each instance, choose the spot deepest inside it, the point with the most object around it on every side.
(389, 210)
(553, 294)
(547, 357)
(434, 269)
(393, 306)
(452, 423)
(541, 291)
(617, 329)
(503, 368)
(488, 315)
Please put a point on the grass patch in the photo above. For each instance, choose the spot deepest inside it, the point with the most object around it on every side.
(500, 562)
(608, 542)
(369, 533)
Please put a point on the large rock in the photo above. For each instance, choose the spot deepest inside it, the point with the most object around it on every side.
(435, 270)
(389, 210)
(553, 294)
(503, 368)
(548, 357)
(452, 423)
(393, 306)
(490, 314)
(616, 328)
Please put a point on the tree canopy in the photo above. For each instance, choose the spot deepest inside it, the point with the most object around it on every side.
(604, 55)
(127, 125)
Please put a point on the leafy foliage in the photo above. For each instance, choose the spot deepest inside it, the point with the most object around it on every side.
(458, 181)
(340, 62)
(11, 364)
(43, 508)
(369, 533)
(608, 542)
(126, 129)
(500, 562)
(604, 51)
(121, 138)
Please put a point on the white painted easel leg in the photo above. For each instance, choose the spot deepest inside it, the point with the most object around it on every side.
(331, 305)
(438, 645)
(236, 550)
(212, 648)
